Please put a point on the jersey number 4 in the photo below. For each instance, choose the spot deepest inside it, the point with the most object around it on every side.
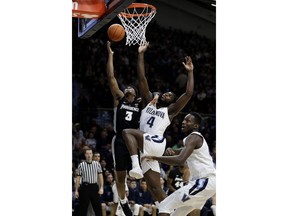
(128, 115)
(151, 121)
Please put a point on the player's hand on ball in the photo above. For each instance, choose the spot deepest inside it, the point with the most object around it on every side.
(109, 48)
(143, 48)
(188, 63)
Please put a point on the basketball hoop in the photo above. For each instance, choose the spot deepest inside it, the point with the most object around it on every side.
(135, 19)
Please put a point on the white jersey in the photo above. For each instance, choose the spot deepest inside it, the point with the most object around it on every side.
(200, 162)
(154, 121)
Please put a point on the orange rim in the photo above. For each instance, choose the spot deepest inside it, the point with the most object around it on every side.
(138, 5)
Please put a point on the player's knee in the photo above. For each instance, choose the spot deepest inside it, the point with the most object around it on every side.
(157, 191)
(125, 133)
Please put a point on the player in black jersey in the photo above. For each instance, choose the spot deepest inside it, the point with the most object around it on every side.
(177, 178)
(127, 110)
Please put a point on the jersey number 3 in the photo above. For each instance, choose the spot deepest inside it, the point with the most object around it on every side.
(128, 115)
(151, 121)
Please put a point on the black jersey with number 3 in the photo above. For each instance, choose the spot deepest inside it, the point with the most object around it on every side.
(127, 115)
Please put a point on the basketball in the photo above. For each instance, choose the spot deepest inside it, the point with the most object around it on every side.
(116, 32)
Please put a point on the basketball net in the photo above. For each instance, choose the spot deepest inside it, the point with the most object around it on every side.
(135, 19)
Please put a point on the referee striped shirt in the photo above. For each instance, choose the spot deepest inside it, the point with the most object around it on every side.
(89, 171)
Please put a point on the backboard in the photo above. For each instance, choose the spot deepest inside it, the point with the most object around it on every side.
(88, 27)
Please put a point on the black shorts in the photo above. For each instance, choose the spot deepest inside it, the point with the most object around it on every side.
(121, 156)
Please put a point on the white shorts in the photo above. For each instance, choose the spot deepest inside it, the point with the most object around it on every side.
(135, 208)
(190, 197)
(152, 145)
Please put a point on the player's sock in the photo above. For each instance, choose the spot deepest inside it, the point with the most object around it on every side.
(135, 160)
(124, 200)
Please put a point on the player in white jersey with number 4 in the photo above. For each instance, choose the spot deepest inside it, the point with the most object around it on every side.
(155, 118)
(195, 153)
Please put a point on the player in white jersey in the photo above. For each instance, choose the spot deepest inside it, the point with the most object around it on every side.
(196, 154)
(155, 118)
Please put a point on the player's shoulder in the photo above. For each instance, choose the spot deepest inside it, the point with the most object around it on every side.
(194, 136)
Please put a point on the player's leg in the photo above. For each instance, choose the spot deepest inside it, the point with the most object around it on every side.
(190, 197)
(120, 155)
(134, 141)
(122, 163)
(120, 183)
(167, 206)
(153, 183)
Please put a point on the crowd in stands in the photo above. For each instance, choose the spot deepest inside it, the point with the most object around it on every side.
(93, 102)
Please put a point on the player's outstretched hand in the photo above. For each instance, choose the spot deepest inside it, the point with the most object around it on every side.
(188, 63)
(154, 100)
(109, 48)
(169, 152)
(143, 48)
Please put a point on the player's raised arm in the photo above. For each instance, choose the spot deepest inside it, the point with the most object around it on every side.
(145, 93)
(176, 107)
(113, 85)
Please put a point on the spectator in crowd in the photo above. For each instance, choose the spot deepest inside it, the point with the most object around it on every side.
(77, 130)
(108, 194)
(145, 199)
(105, 169)
(96, 156)
(103, 139)
(163, 185)
(91, 141)
(78, 140)
(133, 198)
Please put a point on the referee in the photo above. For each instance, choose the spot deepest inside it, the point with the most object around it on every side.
(91, 173)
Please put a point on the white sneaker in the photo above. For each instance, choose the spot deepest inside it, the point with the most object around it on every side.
(136, 172)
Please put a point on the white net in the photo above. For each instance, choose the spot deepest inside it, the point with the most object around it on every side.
(135, 20)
